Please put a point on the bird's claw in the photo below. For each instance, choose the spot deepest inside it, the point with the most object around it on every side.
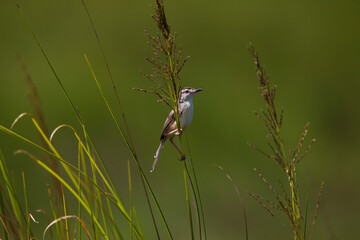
(178, 132)
(182, 157)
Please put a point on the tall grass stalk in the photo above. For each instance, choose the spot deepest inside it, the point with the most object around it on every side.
(110, 76)
(167, 63)
(65, 213)
(188, 201)
(197, 196)
(61, 234)
(131, 198)
(289, 202)
(81, 161)
(26, 206)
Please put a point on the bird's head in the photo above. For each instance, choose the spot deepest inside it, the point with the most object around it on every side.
(187, 93)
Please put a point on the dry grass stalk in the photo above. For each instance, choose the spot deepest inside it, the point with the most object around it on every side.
(167, 61)
(288, 200)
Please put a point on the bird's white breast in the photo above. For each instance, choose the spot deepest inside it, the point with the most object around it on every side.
(187, 115)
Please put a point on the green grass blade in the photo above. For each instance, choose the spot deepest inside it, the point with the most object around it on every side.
(26, 207)
(156, 202)
(47, 59)
(89, 194)
(12, 133)
(188, 201)
(65, 213)
(187, 196)
(131, 202)
(306, 214)
(110, 75)
(12, 194)
(102, 211)
(55, 215)
(2, 211)
(97, 200)
(80, 160)
(109, 108)
(198, 201)
(137, 220)
(115, 230)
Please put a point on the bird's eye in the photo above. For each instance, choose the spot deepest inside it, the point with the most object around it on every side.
(187, 91)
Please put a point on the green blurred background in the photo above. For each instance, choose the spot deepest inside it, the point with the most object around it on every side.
(310, 49)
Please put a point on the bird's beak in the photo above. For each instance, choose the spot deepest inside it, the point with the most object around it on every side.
(198, 90)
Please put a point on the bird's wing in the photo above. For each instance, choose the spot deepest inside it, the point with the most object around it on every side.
(169, 120)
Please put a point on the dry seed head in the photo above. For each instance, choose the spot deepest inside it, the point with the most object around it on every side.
(259, 200)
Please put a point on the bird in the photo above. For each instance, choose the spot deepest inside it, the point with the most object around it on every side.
(170, 129)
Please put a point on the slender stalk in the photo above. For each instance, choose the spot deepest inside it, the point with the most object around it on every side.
(196, 201)
(116, 235)
(144, 179)
(131, 200)
(26, 206)
(2, 210)
(55, 215)
(197, 190)
(188, 201)
(80, 160)
(110, 75)
(306, 216)
(65, 213)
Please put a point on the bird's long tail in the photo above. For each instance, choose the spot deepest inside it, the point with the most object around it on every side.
(157, 154)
